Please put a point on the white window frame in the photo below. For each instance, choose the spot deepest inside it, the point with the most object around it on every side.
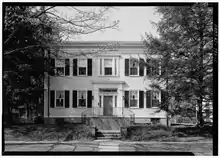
(115, 66)
(59, 66)
(153, 91)
(56, 99)
(78, 97)
(137, 99)
(78, 59)
(138, 67)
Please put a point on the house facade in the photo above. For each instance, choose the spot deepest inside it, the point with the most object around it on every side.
(94, 82)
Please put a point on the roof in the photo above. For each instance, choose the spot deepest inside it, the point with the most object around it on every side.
(92, 44)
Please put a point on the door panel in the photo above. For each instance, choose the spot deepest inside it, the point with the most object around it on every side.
(108, 106)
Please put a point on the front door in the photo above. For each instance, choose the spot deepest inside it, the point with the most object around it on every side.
(108, 106)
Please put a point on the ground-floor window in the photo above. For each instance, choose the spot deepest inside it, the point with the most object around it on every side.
(82, 98)
(59, 98)
(133, 99)
(155, 98)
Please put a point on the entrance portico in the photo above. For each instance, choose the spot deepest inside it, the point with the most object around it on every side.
(108, 98)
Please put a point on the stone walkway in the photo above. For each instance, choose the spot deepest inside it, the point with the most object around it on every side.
(198, 148)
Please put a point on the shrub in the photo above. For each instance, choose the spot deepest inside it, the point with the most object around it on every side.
(153, 132)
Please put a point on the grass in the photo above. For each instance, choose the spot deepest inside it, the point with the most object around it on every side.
(48, 132)
(163, 133)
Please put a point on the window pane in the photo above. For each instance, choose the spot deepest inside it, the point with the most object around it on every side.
(82, 102)
(108, 62)
(100, 101)
(100, 66)
(133, 71)
(60, 71)
(108, 71)
(59, 102)
(59, 63)
(82, 71)
(133, 63)
(116, 101)
(133, 94)
(82, 98)
(59, 94)
(155, 99)
(82, 63)
(156, 95)
(133, 103)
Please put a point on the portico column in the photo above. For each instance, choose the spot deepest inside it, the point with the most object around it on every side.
(96, 100)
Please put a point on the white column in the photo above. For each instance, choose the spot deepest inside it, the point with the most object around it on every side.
(120, 100)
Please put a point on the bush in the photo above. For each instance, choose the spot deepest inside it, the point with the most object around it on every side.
(39, 120)
(153, 132)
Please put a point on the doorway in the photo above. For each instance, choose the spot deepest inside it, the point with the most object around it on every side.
(108, 105)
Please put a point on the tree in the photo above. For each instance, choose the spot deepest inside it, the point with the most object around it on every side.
(185, 46)
(29, 31)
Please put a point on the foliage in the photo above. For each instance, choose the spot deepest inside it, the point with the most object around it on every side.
(184, 49)
(30, 31)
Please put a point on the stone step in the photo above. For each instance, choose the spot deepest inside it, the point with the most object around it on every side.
(107, 138)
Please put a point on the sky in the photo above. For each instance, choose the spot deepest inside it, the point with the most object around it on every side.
(134, 22)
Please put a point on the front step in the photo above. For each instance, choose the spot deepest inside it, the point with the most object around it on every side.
(108, 134)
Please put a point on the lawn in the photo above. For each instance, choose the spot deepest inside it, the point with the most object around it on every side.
(48, 132)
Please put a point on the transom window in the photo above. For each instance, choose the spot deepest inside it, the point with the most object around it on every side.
(155, 99)
(133, 99)
(59, 98)
(134, 66)
(82, 66)
(82, 98)
(59, 67)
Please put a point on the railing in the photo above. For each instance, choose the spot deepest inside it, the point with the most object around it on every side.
(114, 111)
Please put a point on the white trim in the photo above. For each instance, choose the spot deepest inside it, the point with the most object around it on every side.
(78, 98)
(101, 68)
(86, 66)
(55, 104)
(137, 99)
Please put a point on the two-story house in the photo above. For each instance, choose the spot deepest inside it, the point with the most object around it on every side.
(101, 84)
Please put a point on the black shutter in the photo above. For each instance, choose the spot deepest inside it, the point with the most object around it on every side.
(126, 99)
(67, 67)
(89, 67)
(126, 67)
(149, 99)
(52, 69)
(75, 67)
(149, 68)
(155, 67)
(74, 99)
(52, 99)
(141, 67)
(89, 99)
(141, 99)
(67, 99)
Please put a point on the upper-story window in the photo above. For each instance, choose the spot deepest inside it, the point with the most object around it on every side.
(59, 67)
(108, 66)
(134, 66)
(82, 67)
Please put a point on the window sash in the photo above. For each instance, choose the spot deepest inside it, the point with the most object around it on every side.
(60, 71)
(110, 68)
(82, 102)
(133, 101)
(60, 95)
(134, 69)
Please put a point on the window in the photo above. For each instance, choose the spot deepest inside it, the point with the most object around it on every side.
(82, 65)
(100, 101)
(108, 66)
(59, 98)
(115, 100)
(82, 98)
(155, 99)
(133, 99)
(60, 67)
(134, 67)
